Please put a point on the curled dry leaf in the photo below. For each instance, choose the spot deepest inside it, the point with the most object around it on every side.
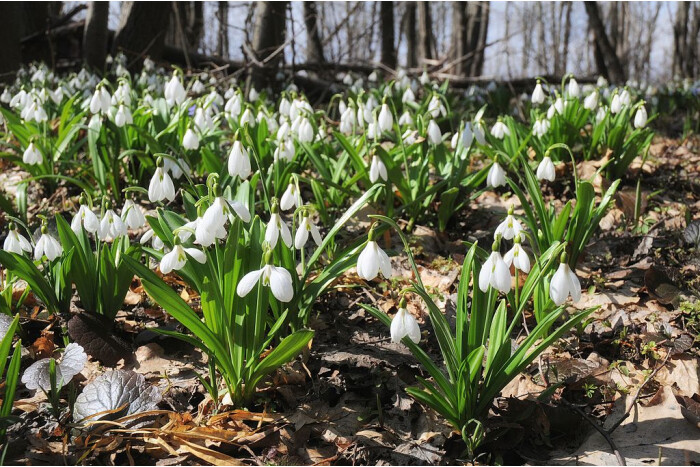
(73, 361)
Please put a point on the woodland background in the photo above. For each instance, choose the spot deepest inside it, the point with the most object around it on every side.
(645, 42)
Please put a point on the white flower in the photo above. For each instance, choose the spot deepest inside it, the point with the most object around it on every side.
(177, 258)
(496, 176)
(591, 101)
(434, 133)
(275, 227)
(156, 242)
(176, 167)
(495, 273)
(408, 96)
(640, 118)
(47, 245)
(509, 228)
(238, 161)
(302, 235)
(600, 114)
(405, 119)
(540, 127)
(15, 242)
(285, 150)
(276, 278)
(32, 155)
(290, 198)
(479, 133)
(211, 226)
(545, 170)
(377, 170)
(132, 215)
(190, 140)
(161, 186)
(38, 376)
(385, 120)
(625, 98)
(435, 107)
(517, 256)
(500, 130)
(371, 261)
(573, 89)
(347, 121)
(111, 226)
(404, 324)
(305, 134)
(616, 104)
(564, 282)
(86, 219)
(175, 91)
(538, 95)
(123, 116)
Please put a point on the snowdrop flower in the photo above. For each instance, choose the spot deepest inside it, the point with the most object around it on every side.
(161, 186)
(15, 242)
(247, 118)
(408, 96)
(347, 121)
(47, 245)
(591, 101)
(509, 228)
(386, 119)
(545, 170)
(424, 78)
(232, 108)
(306, 131)
(479, 133)
(540, 127)
(238, 161)
(406, 119)
(517, 256)
(500, 130)
(496, 176)
(156, 242)
(277, 227)
(123, 116)
(5, 97)
(177, 258)
(409, 137)
(306, 226)
(573, 89)
(616, 104)
(32, 155)
(284, 150)
(404, 324)
(495, 272)
(174, 92)
(625, 98)
(564, 283)
(111, 225)
(291, 197)
(436, 108)
(278, 279)
(211, 226)
(101, 101)
(190, 140)
(176, 167)
(373, 260)
(640, 118)
(38, 375)
(132, 215)
(538, 94)
(85, 219)
(434, 133)
(377, 170)
(600, 114)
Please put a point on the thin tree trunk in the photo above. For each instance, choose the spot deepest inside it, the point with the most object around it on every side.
(425, 35)
(410, 34)
(388, 49)
(142, 28)
(314, 46)
(222, 45)
(95, 34)
(615, 72)
(459, 37)
(269, 34)
(680, 38)
(481, 44)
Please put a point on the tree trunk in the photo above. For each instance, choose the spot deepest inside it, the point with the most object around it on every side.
(613, 70)
(481, 43)
(410, 33)
(425, 31)
(477, 30)
(269, 33)
(388, 48)
(567, 36)
(459, 37)
(222, 46)
(314, 46)
(680, 38)
(142, 28)
(10, 36)
(95, 34)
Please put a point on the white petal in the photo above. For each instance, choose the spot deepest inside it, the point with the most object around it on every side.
(169, 262)
(574, 286)
(559, 286)
(281, 284)
(286, 234)
(368, 262)
(247, 283)
(485, 275)
(197, 255)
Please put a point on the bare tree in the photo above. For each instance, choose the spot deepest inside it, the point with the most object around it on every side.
(608, 62)
(314, 46)
(408, 26)
(142, 28)
(425, 31)
(269, 32)
(95, 34)
(222, 45)
(685, 39)
(387, 21)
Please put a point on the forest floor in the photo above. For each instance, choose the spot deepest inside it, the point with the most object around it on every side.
(633, 371)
